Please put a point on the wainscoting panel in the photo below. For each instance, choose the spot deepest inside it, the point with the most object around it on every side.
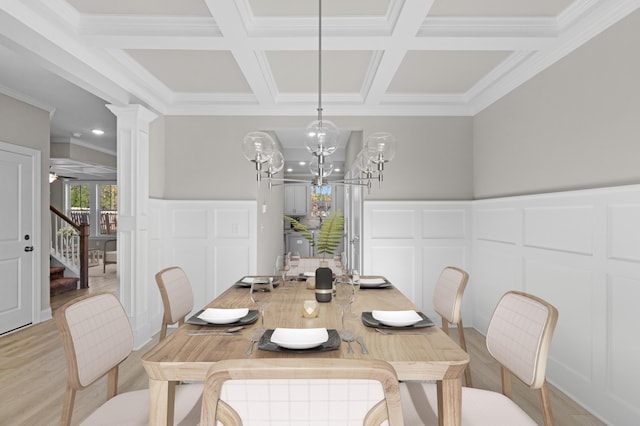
(411, 242)
(215, 242)
(624, 240)
(623, 342)
(579, 250)
(566, 228)
(499, 225)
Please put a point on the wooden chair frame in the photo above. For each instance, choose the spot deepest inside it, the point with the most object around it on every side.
(452, 312)
(172, 289)
(213, 408)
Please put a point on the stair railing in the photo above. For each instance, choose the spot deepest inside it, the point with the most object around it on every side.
(70, 244)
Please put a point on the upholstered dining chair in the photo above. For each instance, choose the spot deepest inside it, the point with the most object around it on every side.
(177, 296)
(519, 338)
(447, 301)
(109, 256)
(293, 391)
(97, 338)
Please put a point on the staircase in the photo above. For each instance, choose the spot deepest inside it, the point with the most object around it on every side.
(58, 283)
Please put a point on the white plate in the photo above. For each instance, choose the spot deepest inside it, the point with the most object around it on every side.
(299, 338)
(223, 316)
(309, 274)
(397, 318)
(372, 281)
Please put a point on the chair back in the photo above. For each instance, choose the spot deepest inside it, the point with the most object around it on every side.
(447, 297)
(96, 336)
(176, 292)
(308, 390)
(519, 336)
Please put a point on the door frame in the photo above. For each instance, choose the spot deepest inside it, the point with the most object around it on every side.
(38, 240)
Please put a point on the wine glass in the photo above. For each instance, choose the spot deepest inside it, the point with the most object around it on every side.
(337, 261)
(294, 261)
(344, 296)
(354, 277)
(282, 267)
(261, 293)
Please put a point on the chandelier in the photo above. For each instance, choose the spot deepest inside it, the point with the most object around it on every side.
(321, 140)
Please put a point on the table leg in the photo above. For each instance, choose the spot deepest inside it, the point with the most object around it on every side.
(161, 402)
(450, 402)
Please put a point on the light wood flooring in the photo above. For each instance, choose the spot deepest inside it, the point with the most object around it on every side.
(33, 373)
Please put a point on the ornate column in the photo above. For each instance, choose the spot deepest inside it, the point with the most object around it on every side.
(133, 222)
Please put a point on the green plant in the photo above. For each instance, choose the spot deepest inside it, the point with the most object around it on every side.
(330, 234)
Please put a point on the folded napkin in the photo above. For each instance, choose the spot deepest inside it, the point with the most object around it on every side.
(309, 274)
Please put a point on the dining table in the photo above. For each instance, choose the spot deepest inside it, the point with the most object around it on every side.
(426, 353)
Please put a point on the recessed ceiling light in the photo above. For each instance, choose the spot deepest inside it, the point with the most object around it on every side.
(302, 163)
(77, 134)
(97, 132)
(289, 170)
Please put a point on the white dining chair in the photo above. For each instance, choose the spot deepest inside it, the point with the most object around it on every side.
(447, 301)
(177, 297)
(297, 391)
(97, 338)
(518, 337)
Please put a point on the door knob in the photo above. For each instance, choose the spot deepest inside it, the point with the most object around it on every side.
(28, 248)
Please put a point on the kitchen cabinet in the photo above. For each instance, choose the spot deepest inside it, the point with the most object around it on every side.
(297, 242)
(296, 200)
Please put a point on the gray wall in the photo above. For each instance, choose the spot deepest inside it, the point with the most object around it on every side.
(203, 158)
(574, 126)
(28, 126)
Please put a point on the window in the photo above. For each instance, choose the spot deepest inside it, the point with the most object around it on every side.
(108, 209)
(320, 201)
(95, 203)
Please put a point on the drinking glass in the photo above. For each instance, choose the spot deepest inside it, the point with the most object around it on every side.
(261, 293)
(294, 261)
(344, 296)
(354, 277)
(282, 267)
(340, 266)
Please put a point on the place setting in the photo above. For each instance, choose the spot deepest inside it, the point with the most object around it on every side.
(374, 283)
(397, 322)
(245, 282)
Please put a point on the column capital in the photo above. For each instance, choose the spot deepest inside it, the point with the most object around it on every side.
(133, 112)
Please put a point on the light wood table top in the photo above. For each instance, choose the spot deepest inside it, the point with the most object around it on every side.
(433, 356)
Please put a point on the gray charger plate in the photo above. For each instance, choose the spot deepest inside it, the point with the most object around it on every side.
(332, 343)
(250, 318)
(370, 321)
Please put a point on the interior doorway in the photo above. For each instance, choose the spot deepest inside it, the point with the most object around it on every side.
(20, 239)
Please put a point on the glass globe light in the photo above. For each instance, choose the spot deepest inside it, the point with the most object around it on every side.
(363, 163)
(321, 137)
(276, 163)
(258, 147)
(381, 147)
(327, 168)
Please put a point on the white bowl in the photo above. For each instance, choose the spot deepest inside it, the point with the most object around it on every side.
(299, 338)
(397, 318)
(223, 316)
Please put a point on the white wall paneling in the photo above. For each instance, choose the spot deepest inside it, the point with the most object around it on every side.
(213, 241)
(580, 250)
(410, 242)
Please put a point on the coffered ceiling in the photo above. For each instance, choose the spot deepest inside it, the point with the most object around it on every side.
(260, 57)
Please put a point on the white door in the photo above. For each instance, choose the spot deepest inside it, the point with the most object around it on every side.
(16, 238)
